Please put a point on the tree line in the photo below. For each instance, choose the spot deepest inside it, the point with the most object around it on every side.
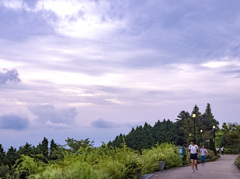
(44, 152)
(179, 132)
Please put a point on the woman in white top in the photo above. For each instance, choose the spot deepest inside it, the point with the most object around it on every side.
(203, 152)
(193, 148)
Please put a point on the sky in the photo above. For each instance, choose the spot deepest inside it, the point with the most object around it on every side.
(96, 68)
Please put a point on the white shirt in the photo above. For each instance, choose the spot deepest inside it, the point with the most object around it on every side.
(222, 149)
(193, 149)
(203, 151)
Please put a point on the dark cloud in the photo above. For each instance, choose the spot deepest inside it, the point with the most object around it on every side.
(9, 76)
(233, 71)
(12, 121)
(101, 123)
(48, 114)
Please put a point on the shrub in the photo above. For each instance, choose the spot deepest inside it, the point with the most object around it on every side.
(103, 163)
(150, 157)
(237, 162)
(231, 150)
(3, 171)
(70, 168)
(211, 156)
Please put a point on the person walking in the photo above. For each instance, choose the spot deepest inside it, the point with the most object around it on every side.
(193, 148)
(203, 152)
(217, 150)
(222, 149)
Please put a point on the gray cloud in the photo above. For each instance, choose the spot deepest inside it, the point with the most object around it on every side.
(19, 26)
(12, 121)
(47, 114)
(9, 76)
(101, 123)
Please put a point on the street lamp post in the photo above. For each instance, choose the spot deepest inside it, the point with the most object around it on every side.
(194, 116)
(201, 131)
(214, 133)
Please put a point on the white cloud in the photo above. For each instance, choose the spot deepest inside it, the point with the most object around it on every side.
(114, 101)
(216, 64)
(81, 18)
(13, 4)
(57, 125)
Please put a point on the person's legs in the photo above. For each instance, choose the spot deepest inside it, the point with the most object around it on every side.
(195, 162)
(202, 160)
(192, 164)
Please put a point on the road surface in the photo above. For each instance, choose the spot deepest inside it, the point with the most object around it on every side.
(223, 168)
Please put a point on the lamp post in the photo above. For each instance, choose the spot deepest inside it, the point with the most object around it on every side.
(194, 116)
(214, 133)
(201, 131)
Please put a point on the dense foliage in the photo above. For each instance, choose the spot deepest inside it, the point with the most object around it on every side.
(82, 160)
(12, 160)
(237, 162)
(179, 132)
(144, 137)
(229, 137)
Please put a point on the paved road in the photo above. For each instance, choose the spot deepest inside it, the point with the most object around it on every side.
(223, 168)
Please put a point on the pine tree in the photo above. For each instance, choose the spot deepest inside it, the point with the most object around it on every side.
(44, 147)
(182, 125)
(148, 136)
(212, 146)
(208, 118)
(2, 155)
(11, 157)
(53, 149)
(25, 150)
(53, 146)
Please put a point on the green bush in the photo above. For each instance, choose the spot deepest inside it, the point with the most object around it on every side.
(231, 150)
(237, 162)
(211, 156)
(77, 170)
(150, 157)
(3, 171)
(118, 163)
(103, 163)
(188, 161)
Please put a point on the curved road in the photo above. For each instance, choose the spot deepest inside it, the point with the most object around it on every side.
(223, 168)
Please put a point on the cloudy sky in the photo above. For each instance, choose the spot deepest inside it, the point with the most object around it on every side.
(96, 68)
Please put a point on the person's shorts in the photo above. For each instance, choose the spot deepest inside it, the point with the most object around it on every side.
(193, 156)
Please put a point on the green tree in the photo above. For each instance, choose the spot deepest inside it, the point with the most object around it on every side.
(44, 147)
(25, 150)
(212, 146)
(208, 119)
(75, 145)
(2, 155)
(11, 156)
(53, 148)
(183, 127)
